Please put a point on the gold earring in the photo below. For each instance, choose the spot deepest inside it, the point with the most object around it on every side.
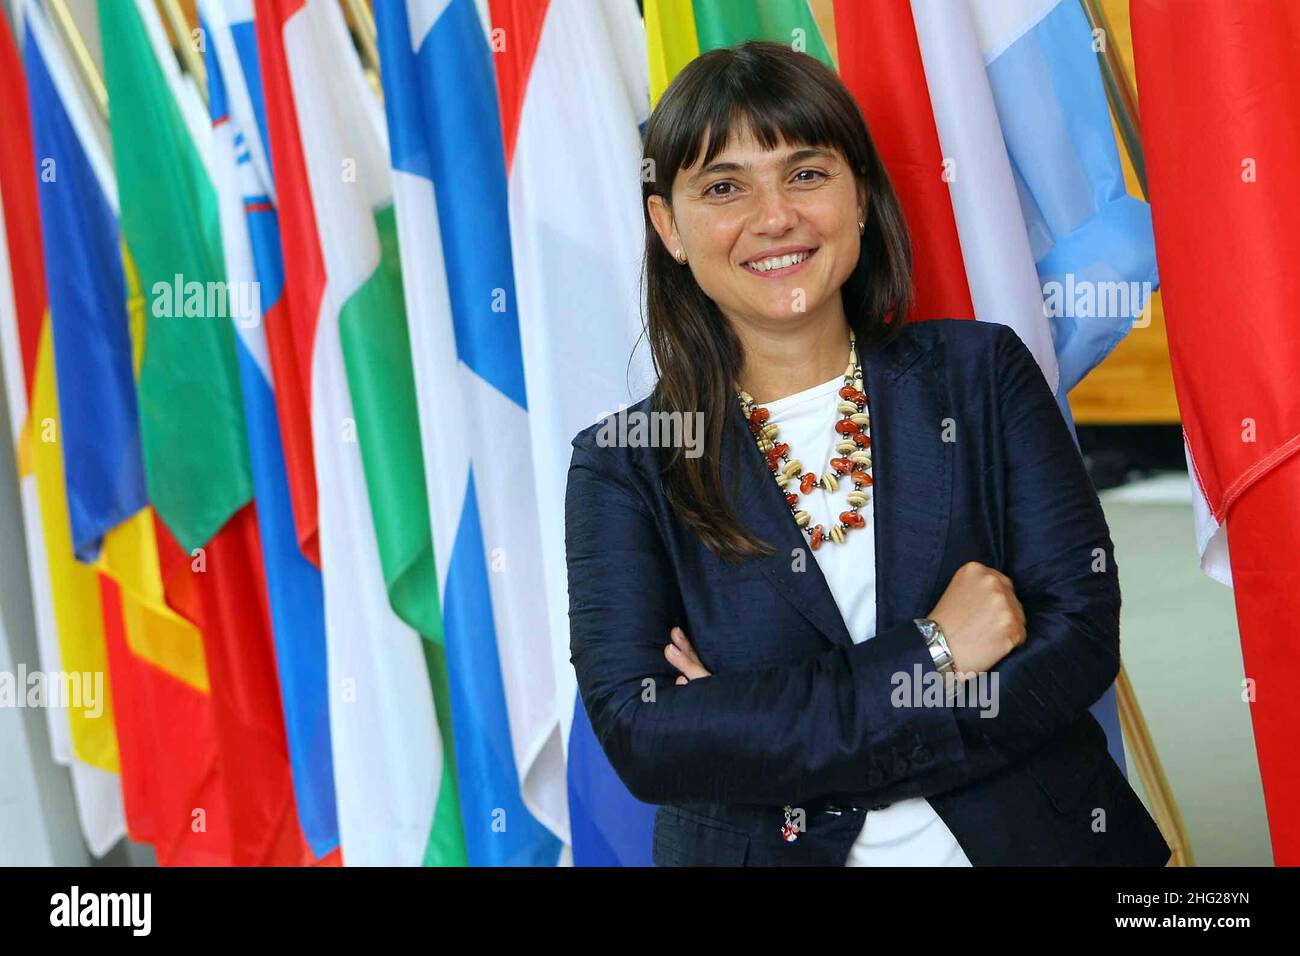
(862, 227)
(680, 256)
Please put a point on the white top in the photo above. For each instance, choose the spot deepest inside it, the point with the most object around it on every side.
(909, 832)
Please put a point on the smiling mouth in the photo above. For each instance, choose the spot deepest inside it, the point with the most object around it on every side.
(778, 265)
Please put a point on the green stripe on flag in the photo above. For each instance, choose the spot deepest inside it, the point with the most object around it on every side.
(191, 409)
(721, 23)
(381, 381)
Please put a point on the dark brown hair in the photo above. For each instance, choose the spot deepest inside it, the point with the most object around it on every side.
(781, 95)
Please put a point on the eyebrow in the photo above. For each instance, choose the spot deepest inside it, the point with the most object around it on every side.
(798, 156)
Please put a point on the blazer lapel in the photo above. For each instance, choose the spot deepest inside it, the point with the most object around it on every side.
(912, 471)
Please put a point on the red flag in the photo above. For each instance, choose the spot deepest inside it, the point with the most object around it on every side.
(880, 63)
(21, 206)
(1220, 98)
(225, 595)
(171, 782)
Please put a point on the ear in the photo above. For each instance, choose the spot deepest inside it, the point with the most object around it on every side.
(863, 199)
(661, 216)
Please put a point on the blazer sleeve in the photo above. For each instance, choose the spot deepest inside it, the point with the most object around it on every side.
(762, 736)
(1061, 559)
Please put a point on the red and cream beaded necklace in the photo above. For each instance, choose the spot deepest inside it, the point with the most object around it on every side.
(852, 461)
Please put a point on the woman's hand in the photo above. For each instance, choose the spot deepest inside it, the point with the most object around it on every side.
(980, 616)
(682, 656)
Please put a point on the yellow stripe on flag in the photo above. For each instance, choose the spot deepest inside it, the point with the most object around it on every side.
(74, 586)
(671, 41)
(154, 632)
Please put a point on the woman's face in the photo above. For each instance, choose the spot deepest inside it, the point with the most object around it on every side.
(750, 205)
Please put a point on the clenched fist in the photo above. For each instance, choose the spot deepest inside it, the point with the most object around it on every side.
(980, 616)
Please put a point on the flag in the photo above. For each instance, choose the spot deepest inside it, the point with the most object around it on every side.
(677, 31)
(65, 594)
(576, 73)
(441, 102)
(1219, 94)
(994, 243)
(880, 63)
(1085, 231)
(251, 238)
(156, 664)
(192, 421)
(394, 761)
(92, 341)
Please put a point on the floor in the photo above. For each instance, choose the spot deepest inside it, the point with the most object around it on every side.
(1181, 651)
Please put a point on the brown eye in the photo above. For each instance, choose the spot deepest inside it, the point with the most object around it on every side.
(710, 190)
(815, 172)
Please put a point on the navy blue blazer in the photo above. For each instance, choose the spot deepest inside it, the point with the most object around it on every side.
(972, 461)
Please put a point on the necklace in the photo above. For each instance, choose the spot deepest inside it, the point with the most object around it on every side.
(852, 461)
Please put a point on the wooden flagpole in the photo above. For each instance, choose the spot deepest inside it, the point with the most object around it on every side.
(1123, 103)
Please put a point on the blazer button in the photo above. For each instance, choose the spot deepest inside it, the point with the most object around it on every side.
(920, 755)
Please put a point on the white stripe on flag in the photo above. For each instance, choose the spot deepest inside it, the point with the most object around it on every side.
(388, 753)
(1211, 537)
(999, 262)
(576, 231)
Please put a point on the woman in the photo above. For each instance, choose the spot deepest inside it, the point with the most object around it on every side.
(863, 620)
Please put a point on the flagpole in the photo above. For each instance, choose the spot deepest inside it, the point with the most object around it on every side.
(181, 28)
(1123, 104)
(367, 37)
(1120, 92)
(362, 27)
(80, 55)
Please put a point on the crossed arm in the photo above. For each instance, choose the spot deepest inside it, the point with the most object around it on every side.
(783, 734)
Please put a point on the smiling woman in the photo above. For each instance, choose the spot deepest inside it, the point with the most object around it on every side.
(877, 510)
(787, 219)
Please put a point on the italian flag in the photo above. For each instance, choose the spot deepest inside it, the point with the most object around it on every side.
(389, 706)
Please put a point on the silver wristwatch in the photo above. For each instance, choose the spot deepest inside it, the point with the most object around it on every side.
(937, 643)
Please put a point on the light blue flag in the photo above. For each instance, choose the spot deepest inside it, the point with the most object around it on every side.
(1092, 242)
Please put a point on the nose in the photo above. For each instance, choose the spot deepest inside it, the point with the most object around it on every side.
(774, 213)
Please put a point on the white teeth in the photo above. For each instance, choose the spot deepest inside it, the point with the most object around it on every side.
(777, 262)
